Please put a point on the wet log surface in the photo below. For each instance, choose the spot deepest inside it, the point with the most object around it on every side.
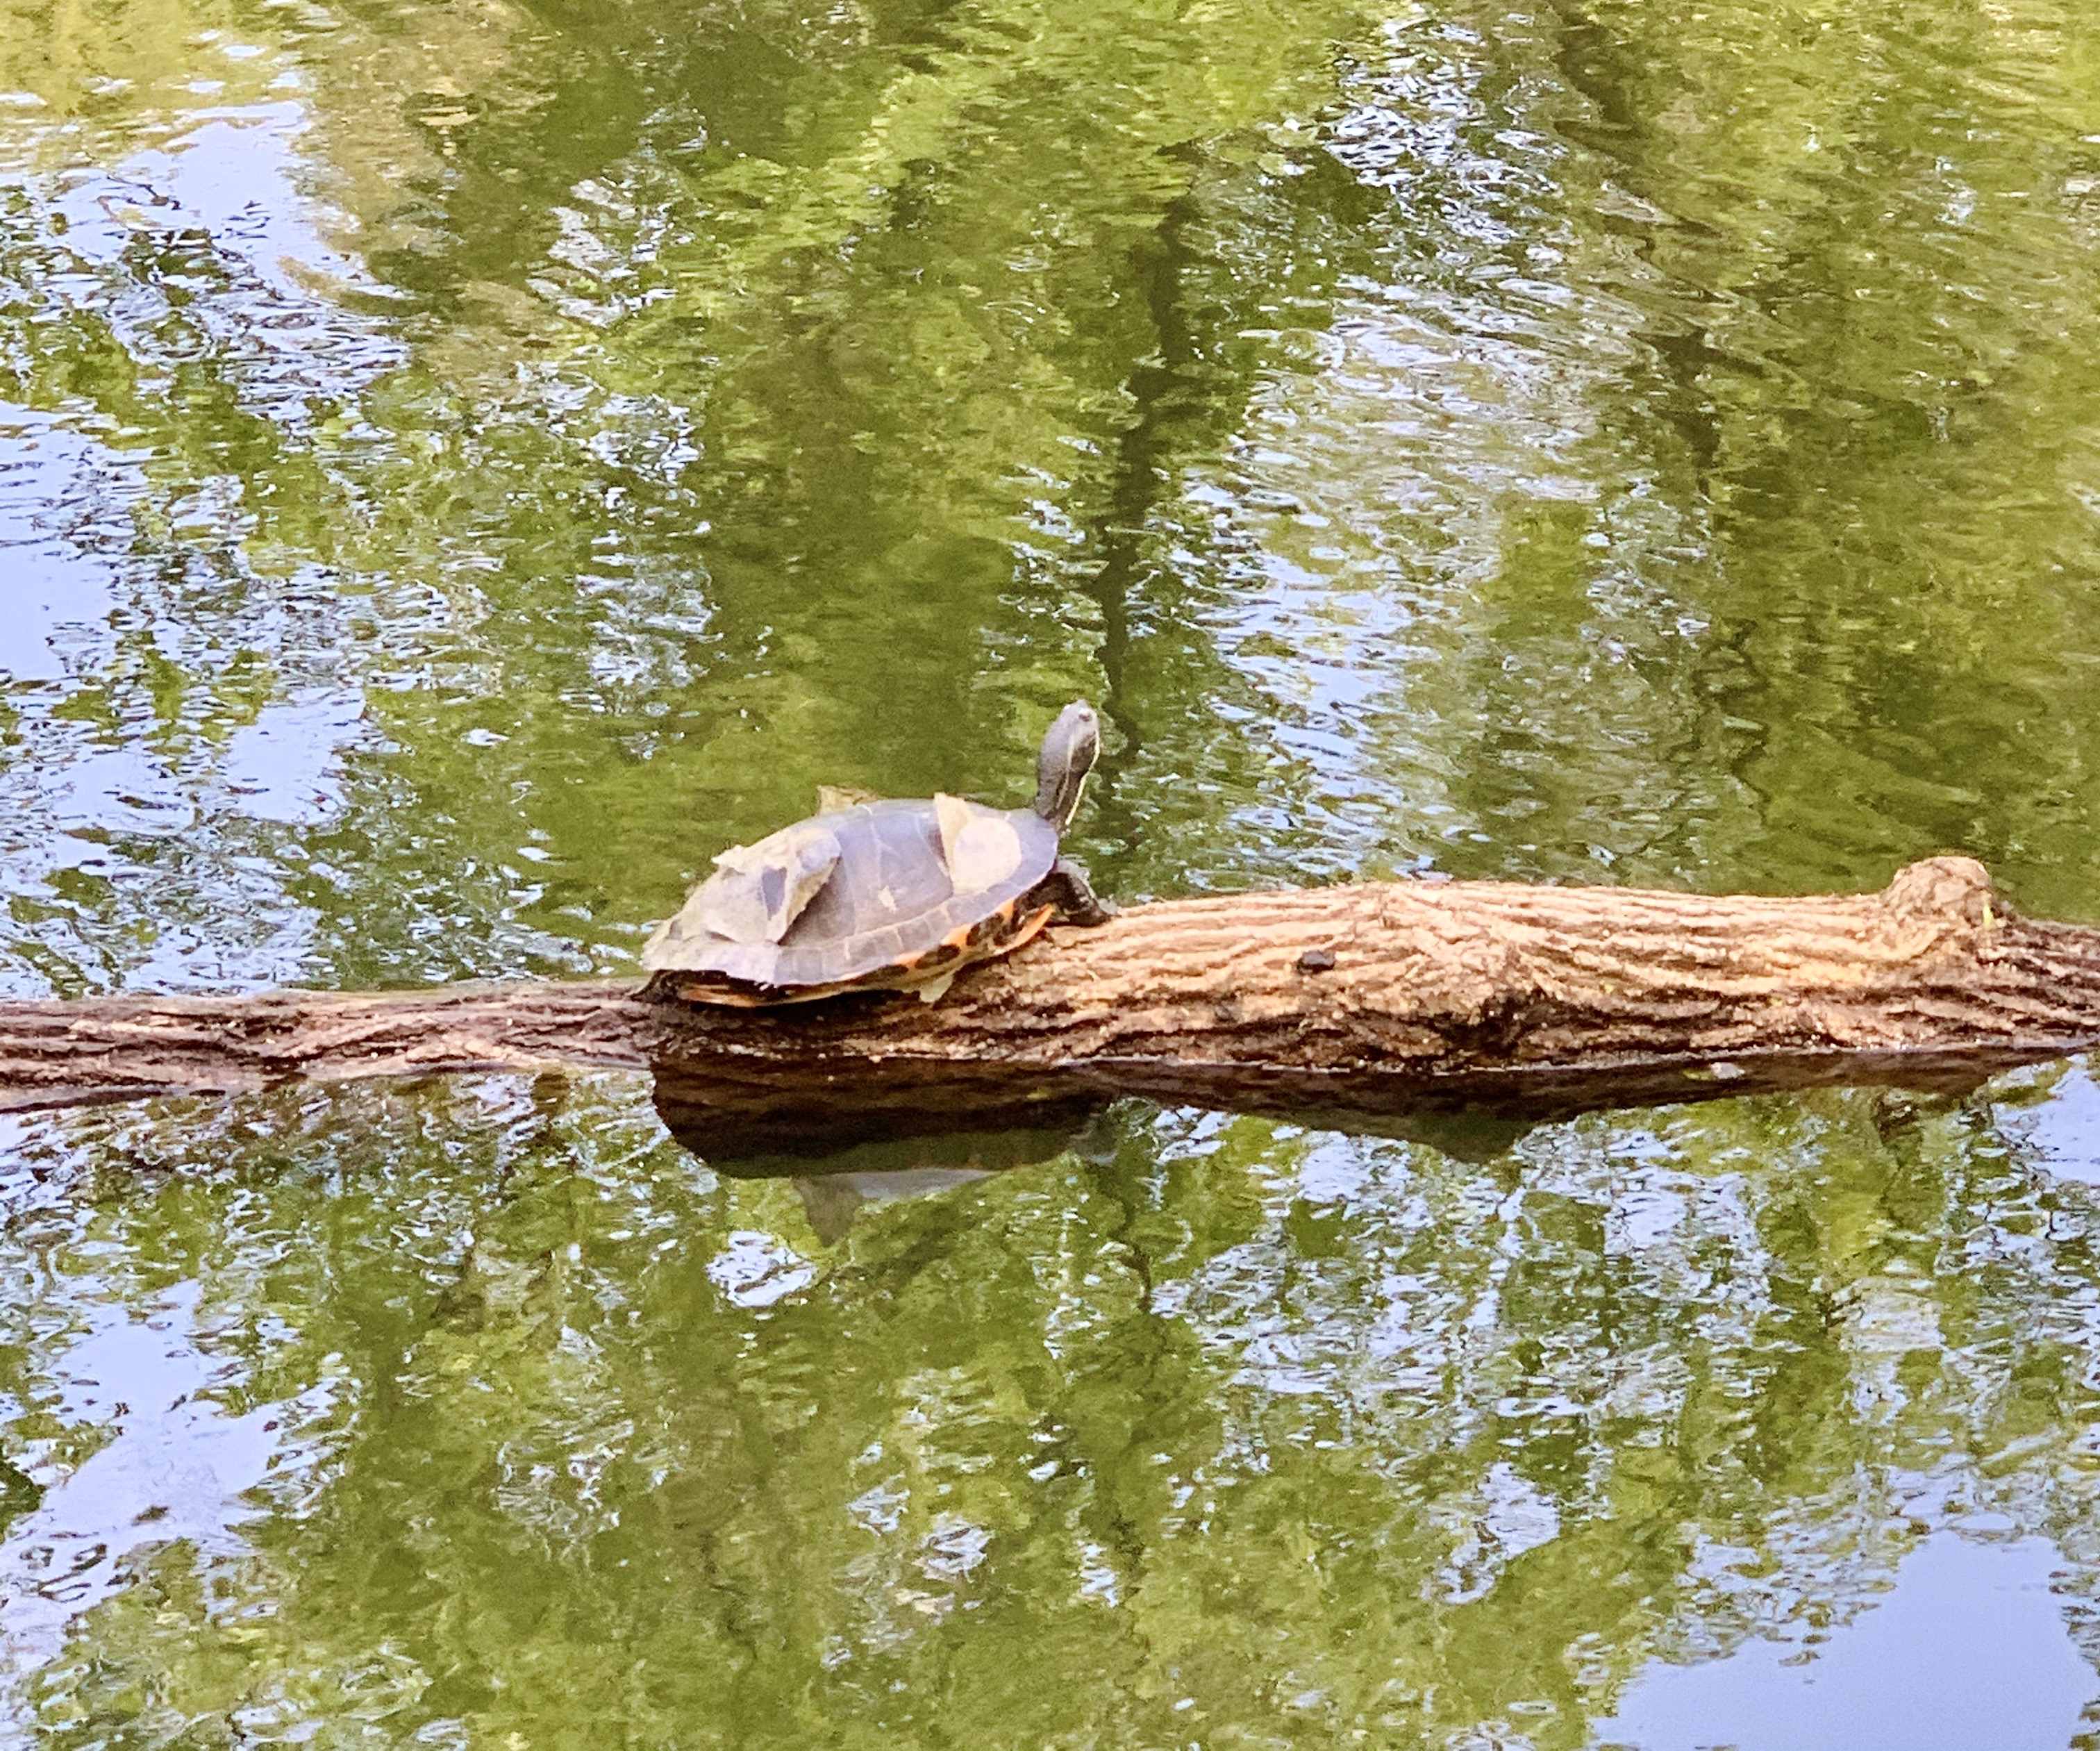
(1354, 1006)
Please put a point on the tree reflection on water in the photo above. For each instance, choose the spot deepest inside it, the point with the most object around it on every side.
(461, 465)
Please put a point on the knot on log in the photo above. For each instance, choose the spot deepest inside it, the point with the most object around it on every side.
(1945, 912)
(1941, 890)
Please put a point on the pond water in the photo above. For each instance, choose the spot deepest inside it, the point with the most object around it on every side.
(464, 462)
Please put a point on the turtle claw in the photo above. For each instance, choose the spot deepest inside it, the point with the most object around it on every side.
(1091, 915)
(1067, 888)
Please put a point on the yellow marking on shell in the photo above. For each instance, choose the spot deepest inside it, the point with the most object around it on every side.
(756, 892)
(978, 844)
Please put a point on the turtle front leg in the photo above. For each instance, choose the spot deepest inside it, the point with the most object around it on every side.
(1066, 888)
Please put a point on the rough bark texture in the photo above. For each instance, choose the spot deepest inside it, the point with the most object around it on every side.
(1353, 1005)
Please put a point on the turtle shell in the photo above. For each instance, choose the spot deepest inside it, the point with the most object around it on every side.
(885, 896)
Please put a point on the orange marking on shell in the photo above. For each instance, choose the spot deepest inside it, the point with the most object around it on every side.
(958, 938)
(1032, 927)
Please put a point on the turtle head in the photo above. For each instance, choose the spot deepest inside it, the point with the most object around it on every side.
(1068, 756)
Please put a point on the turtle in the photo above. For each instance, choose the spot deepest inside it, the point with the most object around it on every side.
(884, 895)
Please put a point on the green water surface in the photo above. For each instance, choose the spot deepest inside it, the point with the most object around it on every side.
(463, 463)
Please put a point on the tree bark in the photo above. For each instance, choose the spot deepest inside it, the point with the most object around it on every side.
(1354, 1006)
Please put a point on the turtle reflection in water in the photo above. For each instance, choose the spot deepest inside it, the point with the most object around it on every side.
(884, 895)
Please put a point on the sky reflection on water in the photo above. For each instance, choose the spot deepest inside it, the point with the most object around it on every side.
(1968, 1649)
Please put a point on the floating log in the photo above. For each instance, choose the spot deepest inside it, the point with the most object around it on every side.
(1354, 1006)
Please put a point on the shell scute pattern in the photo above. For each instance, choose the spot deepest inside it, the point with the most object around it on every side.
(881, 895)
